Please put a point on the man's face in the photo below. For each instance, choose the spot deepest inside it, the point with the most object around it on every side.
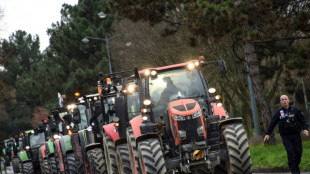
(284, 101)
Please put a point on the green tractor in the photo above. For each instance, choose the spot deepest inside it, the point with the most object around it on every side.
(29, 154)
(16, 150)
(8, 151)
(56, 155)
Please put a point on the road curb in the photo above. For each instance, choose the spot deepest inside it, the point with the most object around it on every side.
(270, 170)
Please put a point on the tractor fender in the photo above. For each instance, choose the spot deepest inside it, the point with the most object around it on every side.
(23, 156)
(230, 121)
(109, 131)
(135, 125)
(120, 141)
(147, 136)
(42, 150)
(83, 138)
(65, 144)
(50, 147)
(87, 137)
(219, 110)
(59, 155)
(93, 145)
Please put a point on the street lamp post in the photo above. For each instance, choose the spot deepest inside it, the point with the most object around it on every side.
(106, 40)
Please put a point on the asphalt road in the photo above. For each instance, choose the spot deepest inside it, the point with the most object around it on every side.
(9, 170)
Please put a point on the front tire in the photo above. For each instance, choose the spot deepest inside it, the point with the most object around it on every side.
(15, 163)
(123, 159)
(28, 168)
(46, 166)
(133, 152)
(110, 154)
(96, 161)
(53, 165)
(71, 164)
(239, 158)
(151, 157)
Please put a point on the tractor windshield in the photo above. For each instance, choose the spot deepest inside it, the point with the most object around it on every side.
(169, 85)
(83, 124)
(133, 105)
(37, 140)
(109, 107)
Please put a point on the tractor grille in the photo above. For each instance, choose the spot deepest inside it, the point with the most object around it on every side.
(190, 126)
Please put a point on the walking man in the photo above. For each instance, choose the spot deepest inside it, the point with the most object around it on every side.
(291, 122)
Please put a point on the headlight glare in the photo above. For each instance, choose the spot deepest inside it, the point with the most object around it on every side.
(197, 114)
(178, 117)
(147, 102)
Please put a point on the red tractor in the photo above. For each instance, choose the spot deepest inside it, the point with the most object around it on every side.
(126, 105)
(179, 131)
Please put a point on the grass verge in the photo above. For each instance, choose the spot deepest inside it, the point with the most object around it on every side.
(275, 156)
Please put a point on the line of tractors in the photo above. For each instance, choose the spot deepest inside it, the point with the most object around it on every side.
(154, 121)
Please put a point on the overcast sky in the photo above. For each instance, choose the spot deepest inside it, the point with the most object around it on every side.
(32, 16)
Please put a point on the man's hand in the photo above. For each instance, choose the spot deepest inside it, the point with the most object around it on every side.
(305, 132)
(266, 138)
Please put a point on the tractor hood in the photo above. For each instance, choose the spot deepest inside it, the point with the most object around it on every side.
(185, 107)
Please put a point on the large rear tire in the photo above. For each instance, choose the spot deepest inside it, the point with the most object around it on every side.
(239, 158)
(151, 157)
(123, 159)
(133, 152)
(71, 164)
(96, 161)
(110, 154)
(28, 168)
(15, 163)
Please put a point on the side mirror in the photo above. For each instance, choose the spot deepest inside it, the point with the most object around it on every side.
(55, 113)
(68, 118)
(222, 66)
(41, 126)
(76, 116)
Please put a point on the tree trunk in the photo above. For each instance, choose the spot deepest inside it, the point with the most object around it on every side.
(264, 112)
(305, 98)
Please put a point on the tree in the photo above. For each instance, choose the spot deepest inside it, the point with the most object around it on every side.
(17, 56)
(80, 63)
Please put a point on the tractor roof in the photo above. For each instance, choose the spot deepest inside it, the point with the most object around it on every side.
(166, 67)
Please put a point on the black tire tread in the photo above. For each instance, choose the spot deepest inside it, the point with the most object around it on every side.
(123, 159)
(71, 164)
(131, 143)
(28, 168)
(53, 165)
(238, 149)
(151, 156)
(15, 163)
(110, 154)
(96, 161)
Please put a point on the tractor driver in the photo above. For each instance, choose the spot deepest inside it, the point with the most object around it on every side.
(170, 90)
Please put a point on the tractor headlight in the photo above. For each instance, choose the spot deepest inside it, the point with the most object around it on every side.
(182, 134)
(179, 117)
(27, 148)
(56, 136)
(89, 129)
(147, 72)
(197, 114)
(200, 131)
(131, 88)
(153, 73)
(147, 102)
